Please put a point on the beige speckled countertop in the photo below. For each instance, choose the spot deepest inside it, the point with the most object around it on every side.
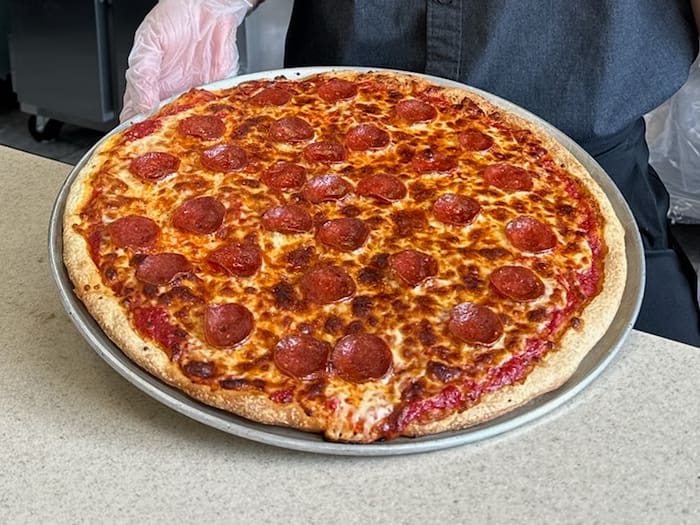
(80, 444)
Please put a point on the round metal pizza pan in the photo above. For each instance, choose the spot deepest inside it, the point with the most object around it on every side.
(592, 365)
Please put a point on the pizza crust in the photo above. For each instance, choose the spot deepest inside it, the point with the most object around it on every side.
(555, 369)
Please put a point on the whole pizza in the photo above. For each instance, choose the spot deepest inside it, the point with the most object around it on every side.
(361, 254)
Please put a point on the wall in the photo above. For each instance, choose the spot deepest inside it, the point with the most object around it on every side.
(261, 40)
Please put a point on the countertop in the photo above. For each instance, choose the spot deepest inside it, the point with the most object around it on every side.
(80, 444)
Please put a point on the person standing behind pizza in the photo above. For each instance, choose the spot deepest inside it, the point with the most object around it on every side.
(591, 68)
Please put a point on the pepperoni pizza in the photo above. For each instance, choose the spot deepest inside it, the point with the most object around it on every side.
(362, 254)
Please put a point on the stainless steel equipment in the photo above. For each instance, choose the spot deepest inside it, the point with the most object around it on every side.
(68, 59)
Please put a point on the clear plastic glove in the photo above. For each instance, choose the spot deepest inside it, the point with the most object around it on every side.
(181, 44)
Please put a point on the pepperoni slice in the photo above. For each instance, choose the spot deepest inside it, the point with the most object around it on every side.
(287, 218)
(224, 157)
(530, 235)
(301, 356)
(154, 165)
(473, 323)
(290, 130)
(326, 188)
(366, 136)
(272, 96)
(517, 282)
(325, 151)
(142, 129)
(199, 215)
(452, 208)
(326, 284)
(384, 188)
(474, 140)
(508, 177)
(161, 268)
(205, 127)
(428, 160)
(337, 89)
(284, 176)
(413, 266)
(133, 231)
(241, 259)
(413, 110)
(227, 324)
(346, 234)
(361, 357)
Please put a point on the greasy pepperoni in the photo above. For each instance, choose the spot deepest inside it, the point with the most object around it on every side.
(290, 129)
(287, 218)
(325, 151)
(239, 258)
(142, 129)
(452, 208)
(346, 234)
(337, 89)
(413, 266)
(413, 110)
(154, 165)
(530, 235)
(428, 160)
(202, 126)
(384, 188)
(326, 188)
(361, 357)
(271, 96)
(472, 323)
(161, 268)
(517, 282)
(227, 324)
(474, 140)
(508, 177)
(284, 176)
(199, 215)
(224, 157)
(325, 284)
(301, 356)
(366, 136)
(133, 231)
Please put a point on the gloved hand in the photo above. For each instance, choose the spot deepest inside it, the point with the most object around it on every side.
(181, 44)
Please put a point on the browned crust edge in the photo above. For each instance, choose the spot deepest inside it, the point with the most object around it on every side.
(552, 372)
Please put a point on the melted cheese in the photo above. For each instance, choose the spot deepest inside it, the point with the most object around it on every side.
(412, 321)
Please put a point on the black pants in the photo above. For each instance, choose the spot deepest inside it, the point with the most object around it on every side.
(669, 307)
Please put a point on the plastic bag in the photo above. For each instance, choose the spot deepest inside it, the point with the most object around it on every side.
(673, 135)
(181, 44)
